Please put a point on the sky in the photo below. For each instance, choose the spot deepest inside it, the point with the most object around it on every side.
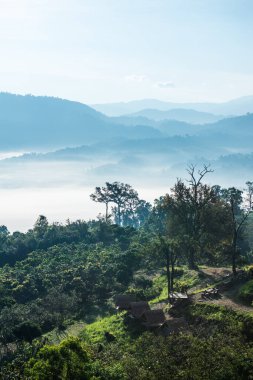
(99, 51)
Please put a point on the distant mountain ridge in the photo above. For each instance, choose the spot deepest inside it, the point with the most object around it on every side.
(31, 122)
(180, 114)
(225, 137)
(102, 148)
(238, 106)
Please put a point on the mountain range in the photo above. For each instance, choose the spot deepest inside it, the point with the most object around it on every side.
(28, 122)
(237, 106)
(143, 145)
(179, 114)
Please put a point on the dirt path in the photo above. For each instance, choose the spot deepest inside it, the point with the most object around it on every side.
(227, 299)
(228, 302)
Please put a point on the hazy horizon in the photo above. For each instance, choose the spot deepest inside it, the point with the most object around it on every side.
(97, 51)
(106, 51)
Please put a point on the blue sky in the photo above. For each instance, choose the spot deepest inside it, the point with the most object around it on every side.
(118, 50)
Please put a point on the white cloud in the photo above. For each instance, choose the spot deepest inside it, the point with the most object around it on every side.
(165, 84)
(136, 78)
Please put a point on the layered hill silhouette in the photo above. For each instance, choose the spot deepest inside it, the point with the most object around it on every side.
(238, 106)
(82, 145)
(180, 114)
(34, 122)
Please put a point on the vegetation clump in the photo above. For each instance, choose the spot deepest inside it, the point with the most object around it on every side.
(246, 292)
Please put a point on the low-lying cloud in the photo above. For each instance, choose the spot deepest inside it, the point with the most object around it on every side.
(167, 84)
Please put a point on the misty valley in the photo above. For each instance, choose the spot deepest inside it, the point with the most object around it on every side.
(125, 240)
(67, 145)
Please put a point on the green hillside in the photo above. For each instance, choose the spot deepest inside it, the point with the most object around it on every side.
(59, 286)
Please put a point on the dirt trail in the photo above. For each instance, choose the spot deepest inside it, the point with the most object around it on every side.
(228, 299)
(230, 303)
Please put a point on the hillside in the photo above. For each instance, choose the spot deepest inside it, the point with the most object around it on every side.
(67, 289)
(60, 285)
(40, 122)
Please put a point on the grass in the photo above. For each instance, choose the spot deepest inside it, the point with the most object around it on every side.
(75, 327)
(100, 320)
(188, 280)
(210, 311)
(94, 332)
(160, 283)
(239, 321)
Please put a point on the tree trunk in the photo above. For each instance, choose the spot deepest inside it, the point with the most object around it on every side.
(168, 273)
(106, 212)
(234, 244)
(119, 216)
(172, 275)
(191, 259)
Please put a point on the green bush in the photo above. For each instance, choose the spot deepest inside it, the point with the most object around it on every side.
(178, 357)
(246, 292)
(27, 331)
(67, 361)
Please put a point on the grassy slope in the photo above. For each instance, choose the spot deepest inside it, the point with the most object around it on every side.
(93, 329)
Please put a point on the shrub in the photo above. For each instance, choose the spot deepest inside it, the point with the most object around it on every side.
(246, 292)
(66, 361)
(27, 331)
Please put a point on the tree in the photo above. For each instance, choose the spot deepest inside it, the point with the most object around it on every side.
(165, 245)
(4, 231)
(189, 205)
(102, 195)
(27, 331)
(124, 196)
(41, 226)
(142, 212)
(234, 198)
(168, 249)
(249, 196)
(66, 361)
(129, 210)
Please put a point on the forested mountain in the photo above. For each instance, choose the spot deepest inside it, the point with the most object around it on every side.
(29, 122)
(82, 146)
(37, 122)
(210, 141)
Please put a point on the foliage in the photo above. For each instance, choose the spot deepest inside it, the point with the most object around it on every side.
(246, 292)
(66, 361)
(152, 357)
(57, 274)
(50, 286)
(129, 209)
(94, 333)
(27, 331)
